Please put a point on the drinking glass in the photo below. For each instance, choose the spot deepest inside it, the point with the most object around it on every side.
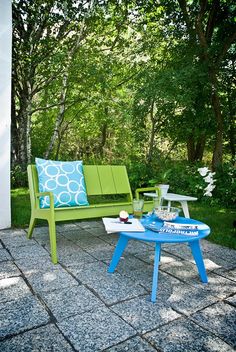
(138, 208)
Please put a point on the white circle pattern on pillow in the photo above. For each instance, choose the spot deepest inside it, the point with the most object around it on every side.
(64, 179)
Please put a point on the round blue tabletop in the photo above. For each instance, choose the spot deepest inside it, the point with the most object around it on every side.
(157, 236)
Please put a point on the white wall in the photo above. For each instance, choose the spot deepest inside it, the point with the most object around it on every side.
(5, 111)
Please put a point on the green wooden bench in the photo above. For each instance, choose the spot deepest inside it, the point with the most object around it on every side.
(100, 180)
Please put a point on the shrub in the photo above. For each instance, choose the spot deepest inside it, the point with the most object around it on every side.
(18, 177)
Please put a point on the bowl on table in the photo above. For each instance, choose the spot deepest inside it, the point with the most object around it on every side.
(166, 213)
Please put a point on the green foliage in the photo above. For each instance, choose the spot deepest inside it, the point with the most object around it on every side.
(225, 191)
(18, 177)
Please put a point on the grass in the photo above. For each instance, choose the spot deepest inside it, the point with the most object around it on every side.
(218, 218)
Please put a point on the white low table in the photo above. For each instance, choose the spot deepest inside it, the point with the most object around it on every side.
(172, 197)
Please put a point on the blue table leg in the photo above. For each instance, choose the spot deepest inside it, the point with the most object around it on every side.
(197, 255)
(155, 272)
(120, 247)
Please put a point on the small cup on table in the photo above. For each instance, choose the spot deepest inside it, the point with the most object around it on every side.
(138, 208)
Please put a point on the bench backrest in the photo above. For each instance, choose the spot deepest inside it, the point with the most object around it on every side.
(99, 180)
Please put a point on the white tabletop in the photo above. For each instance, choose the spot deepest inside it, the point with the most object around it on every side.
(172, 197)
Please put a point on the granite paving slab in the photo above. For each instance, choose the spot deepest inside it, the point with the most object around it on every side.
(19, 240)
(110, 238)
(29, 252)
(50, 280)
(232, 300)
(138, 247)
(70, 301)
(166, 257)
(69, 226)
(13, 288)
(141, 274)
(40, 230)
(63, 245)
(144, 278)
(90, 242)
(42, 239)
(180, 250)
(129, 263)
(183, 335)
(135, 344)
(229, 274)
(77, 255)
(36, 264)
(222, 318)
(224, 263)
(95, 330)
(217, 285)
(102, 252)
(143, 315)
(20, 315)
(209, 246)
(98, 231)
(44, 339)
(77, 234)
(220, 286)
(111, 288)
(86, 224)
(225, 253)
(4, 255)
(96, 225)
(182, 297)
(11, 232)
(183, 270)
(8, 269)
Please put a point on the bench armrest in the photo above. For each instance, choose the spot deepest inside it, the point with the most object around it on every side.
(147, 189)
(44, 194)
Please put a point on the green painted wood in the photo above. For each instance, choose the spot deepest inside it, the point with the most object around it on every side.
(121, 179)
(92, 181)
(106, 179)
(99, 180)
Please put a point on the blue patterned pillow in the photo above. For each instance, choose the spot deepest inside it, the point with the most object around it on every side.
(65, 179)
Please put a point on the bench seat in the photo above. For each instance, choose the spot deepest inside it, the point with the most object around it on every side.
(100, 180)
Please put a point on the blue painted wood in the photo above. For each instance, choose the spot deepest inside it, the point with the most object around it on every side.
(159, 238)
(155, 272)
(120, 247)
(197, 255)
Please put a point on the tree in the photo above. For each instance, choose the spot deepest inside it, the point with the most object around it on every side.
(42, 33)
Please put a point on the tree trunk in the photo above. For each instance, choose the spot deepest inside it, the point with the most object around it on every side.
(232, 130)
(61, 113)
(103, 138)
(190, 148)
(217, 158)
(200, 146)
(195, 149)
(152, 136)
(60, 116)
(14, 132)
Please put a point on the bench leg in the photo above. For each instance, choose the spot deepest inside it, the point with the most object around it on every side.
(120, 247)
(31, 227)
(155, 272)
(53, 240)
(197, 255)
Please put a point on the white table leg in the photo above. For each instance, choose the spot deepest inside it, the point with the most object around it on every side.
(184, 205)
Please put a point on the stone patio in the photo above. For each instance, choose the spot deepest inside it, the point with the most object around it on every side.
(77, 306)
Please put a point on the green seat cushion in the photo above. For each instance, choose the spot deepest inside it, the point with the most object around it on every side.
(65, 179)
